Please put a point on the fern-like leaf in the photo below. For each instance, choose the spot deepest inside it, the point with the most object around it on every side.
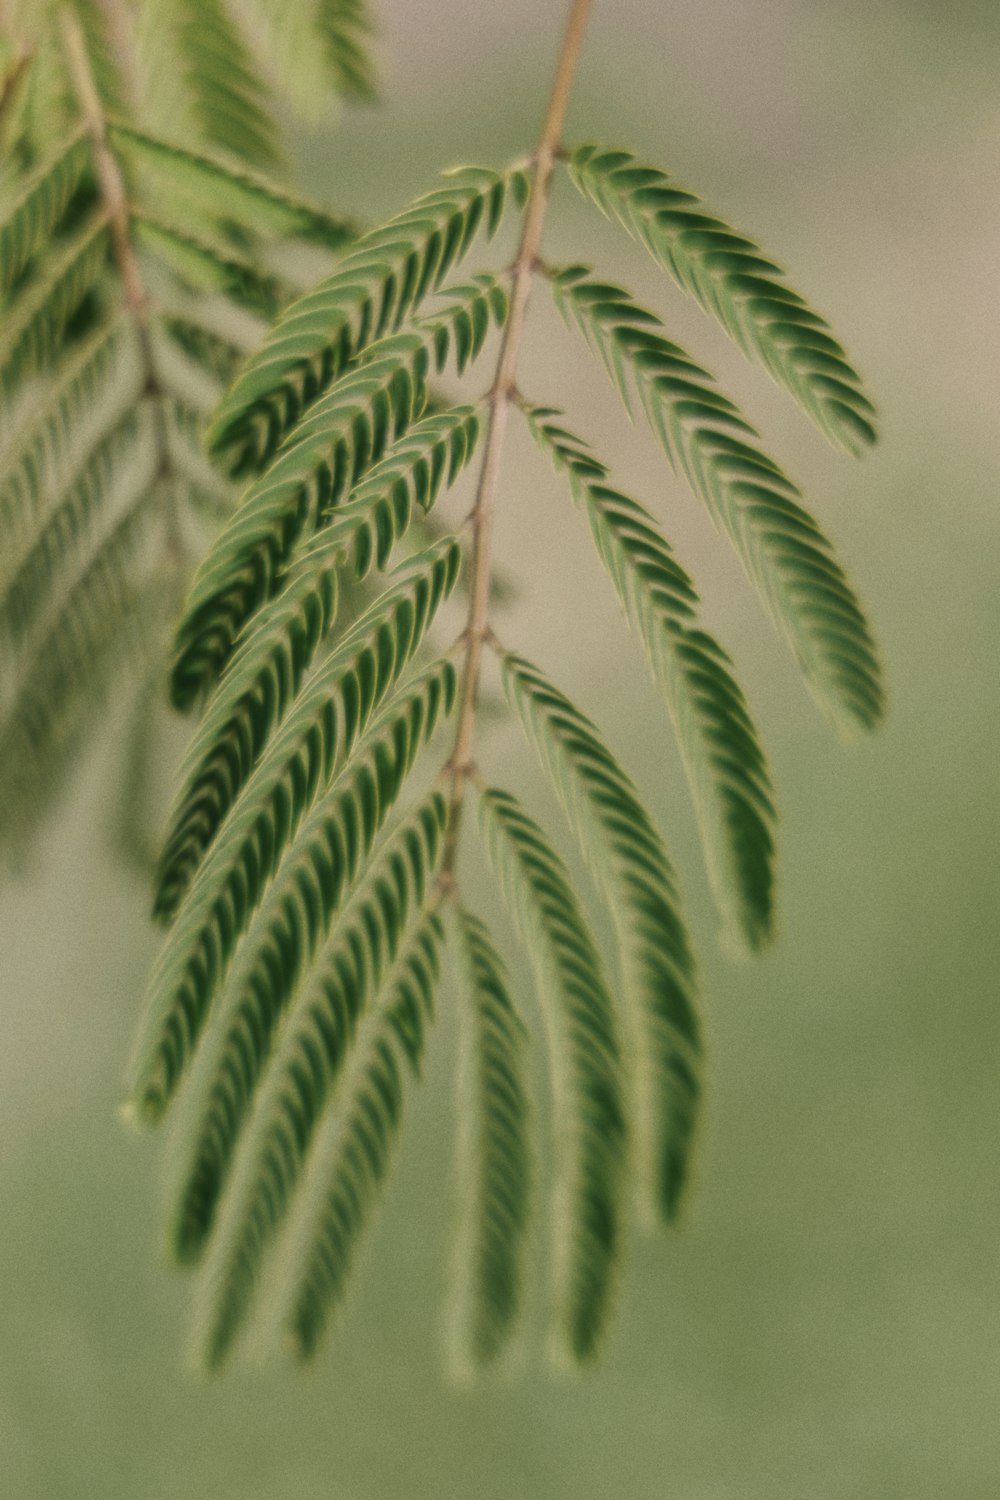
(323, 876)
(286, 779)
(342, 437)
(380, 926)
(85, 398)
(345, 26)
(584, 1053)
(219, 96)
(718, 741)
(39, 208)
(109, 619)
(711, 444)
(730, 278)
(117, 473)
(495, 1168)
(627, 857)
(222, 191)
(370, 294)
(36, 326)
(352, 1153)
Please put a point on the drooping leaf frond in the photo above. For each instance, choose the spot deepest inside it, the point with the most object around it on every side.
(373, 290)
(381, 926)
(730, 278)
(300, 883)
(278, 789)
(316, 52)
(495, 1168)
(111, 618)
(711, 444)
(116, 474)
(722, 755)
(36, 326)
(39, 208)
(585, 1062)
(342, 436)
(627, 857)
(222, 191)
(135, 277)
(345, 26)
(352, 1153)
(201, 81)
(324, 878)
(258, 690)
(87, 396)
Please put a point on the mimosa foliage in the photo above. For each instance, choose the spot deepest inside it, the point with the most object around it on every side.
(301, 881)
(212, 390)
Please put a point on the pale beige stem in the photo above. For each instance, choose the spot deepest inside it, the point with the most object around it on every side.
(504, 387)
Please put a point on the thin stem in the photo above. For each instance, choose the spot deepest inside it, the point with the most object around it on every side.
(503, 391)
(114, 197)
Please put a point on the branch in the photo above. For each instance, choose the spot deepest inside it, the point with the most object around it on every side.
(114, 197)
(477, 631)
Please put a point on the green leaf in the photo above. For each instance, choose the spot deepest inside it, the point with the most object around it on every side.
(729, 277)
(711, 444)
(627, 858)
(227, 192)
(371, 293)
(362, 532)
(347, 432)
(36, 325)
(353, 1150)
(115, 476)
(206, 267)
(352, 992)
(286, 779)
(221, 88)
(38, 209)
(325, 878)
(495, 1170)
(588, 1094)
(718, 741)
(107, 620)
(85, 397)
(345, 26)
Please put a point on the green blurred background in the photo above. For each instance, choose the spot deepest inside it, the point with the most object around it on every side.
(826, 1324)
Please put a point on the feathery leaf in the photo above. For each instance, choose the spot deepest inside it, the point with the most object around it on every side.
(38, 322)
(352, 1153)
(84, 398)
(116, 474)
(223, 191)
(590, 1125)
(345, 433)
(318, 880)
(37, 211)
(729, 277)
(495, 1168)
(718, 742)
(369, 295)
(626, 855)
(380, 926)
(219, 93)
(278, 786)
(711, 444)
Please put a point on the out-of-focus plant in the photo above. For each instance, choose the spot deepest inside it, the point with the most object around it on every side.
(141, 259)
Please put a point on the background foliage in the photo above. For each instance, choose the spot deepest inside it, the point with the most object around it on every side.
(822, 1326)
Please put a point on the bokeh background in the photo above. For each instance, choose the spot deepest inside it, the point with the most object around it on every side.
(826, 1325)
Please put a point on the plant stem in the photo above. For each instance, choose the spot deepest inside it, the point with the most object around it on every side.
(114, 197)
(504, 387)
